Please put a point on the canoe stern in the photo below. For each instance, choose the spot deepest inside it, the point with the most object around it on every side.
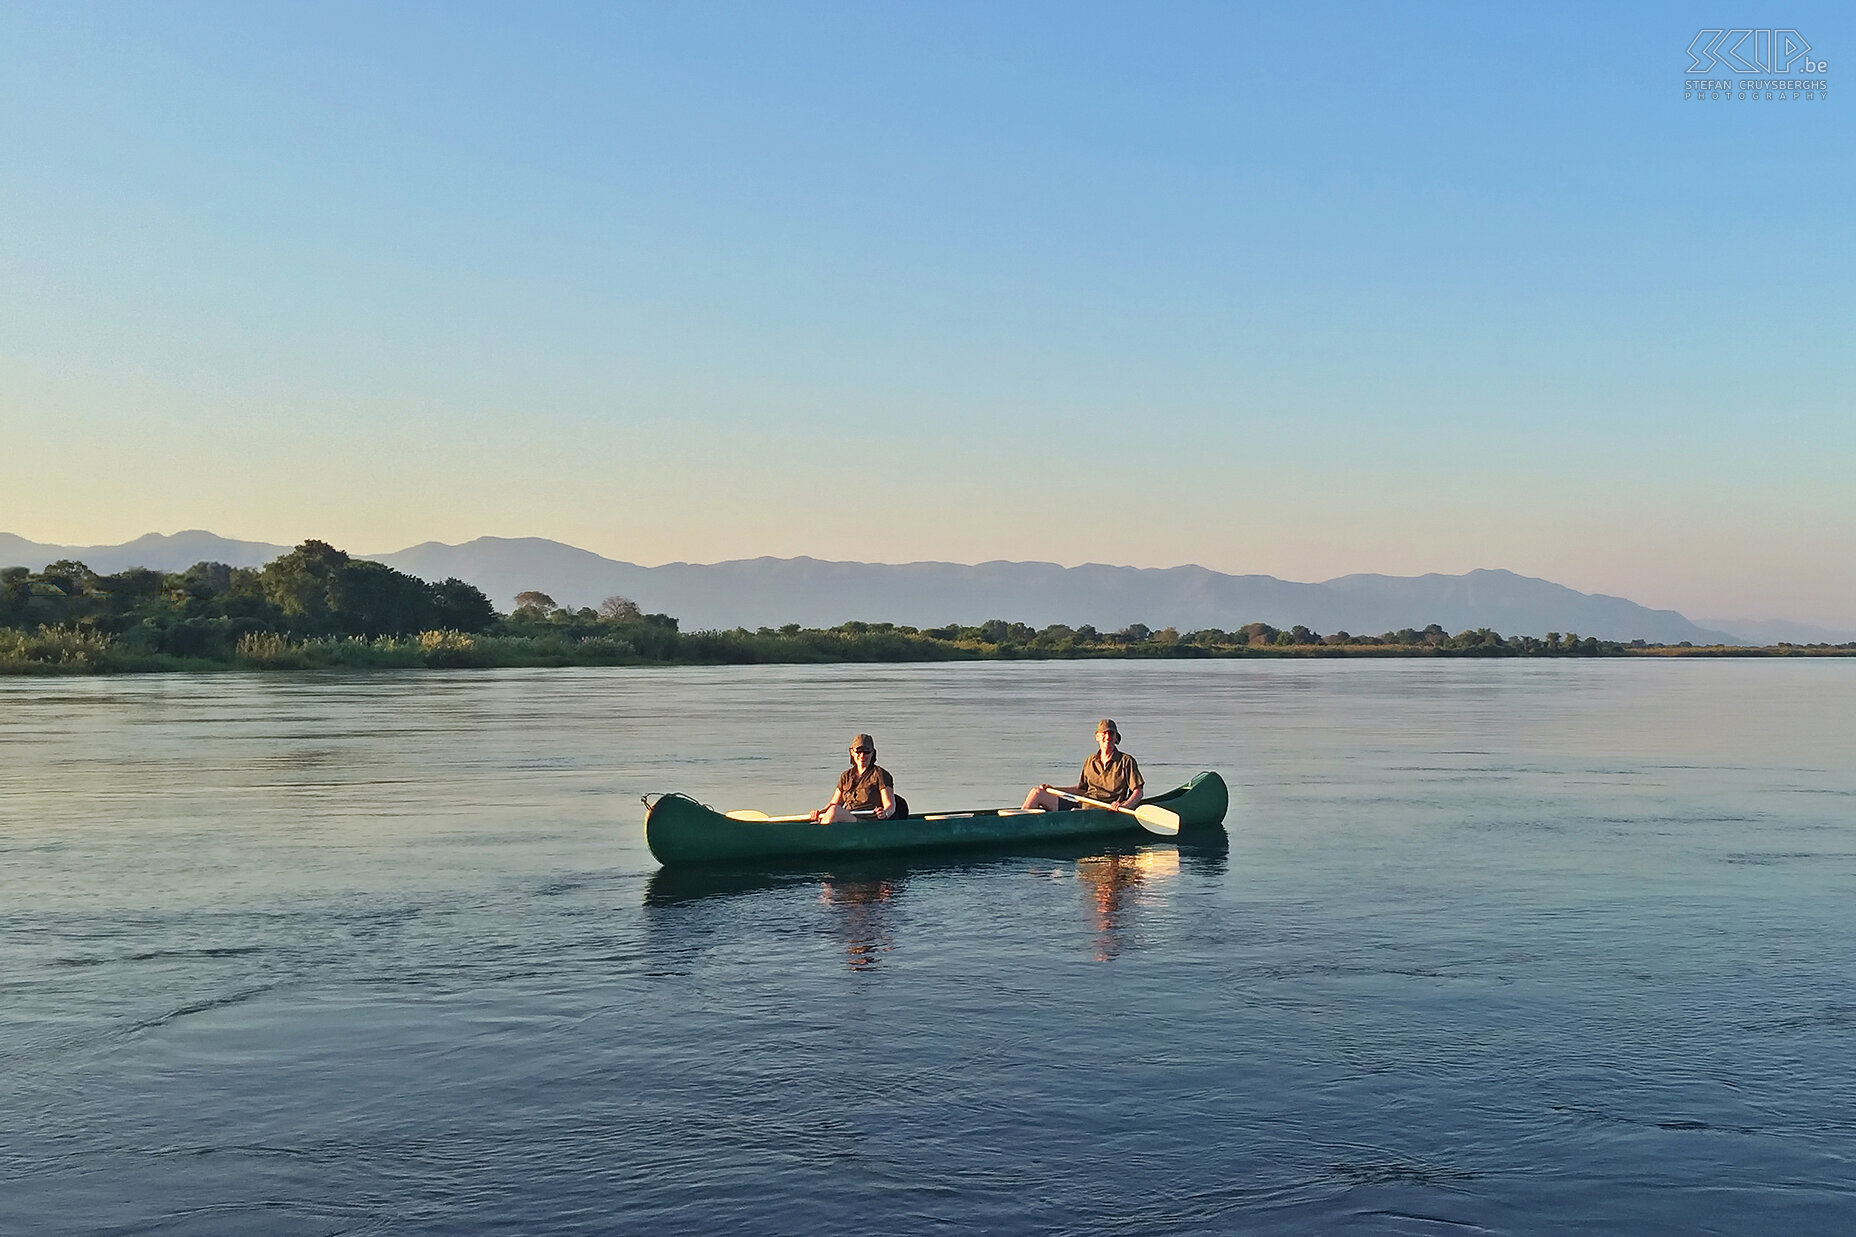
(1201, 803)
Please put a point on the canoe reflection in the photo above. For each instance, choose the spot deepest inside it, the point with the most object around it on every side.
(861, 896)
(680, 886)
(1116, 884)
(862, 908)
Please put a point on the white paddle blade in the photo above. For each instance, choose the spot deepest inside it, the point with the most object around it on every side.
(1157, 820)
(746, 813)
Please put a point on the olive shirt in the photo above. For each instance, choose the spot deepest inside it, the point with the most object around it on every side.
(864, 793)
(1112, 781)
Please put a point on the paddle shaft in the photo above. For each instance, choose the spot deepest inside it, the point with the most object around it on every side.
(759, 817)
(1155, 820)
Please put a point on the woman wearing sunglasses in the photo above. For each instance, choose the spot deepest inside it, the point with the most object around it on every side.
(865, 787)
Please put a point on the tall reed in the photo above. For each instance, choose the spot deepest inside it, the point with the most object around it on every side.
(53, 650)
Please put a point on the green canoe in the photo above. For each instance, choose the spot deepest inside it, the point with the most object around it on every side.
(680, 830)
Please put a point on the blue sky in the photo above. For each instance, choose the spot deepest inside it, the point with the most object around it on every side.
(1298, 290)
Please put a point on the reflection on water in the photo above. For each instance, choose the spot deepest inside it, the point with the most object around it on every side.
(1498, 948)
(1116, 883)
(1205, 853)
(859, 897)
(862, 913)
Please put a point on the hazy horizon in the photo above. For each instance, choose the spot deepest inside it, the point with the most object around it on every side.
(1786, 627)
(1302, 293)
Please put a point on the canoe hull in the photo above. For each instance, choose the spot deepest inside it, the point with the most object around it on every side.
(679, 830)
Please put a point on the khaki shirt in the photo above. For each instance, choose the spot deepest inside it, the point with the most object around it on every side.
(864, 794)
(1111, 781)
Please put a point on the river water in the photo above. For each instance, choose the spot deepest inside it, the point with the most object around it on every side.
(1517, 947)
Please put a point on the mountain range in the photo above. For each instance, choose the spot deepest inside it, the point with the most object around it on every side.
(774, 591)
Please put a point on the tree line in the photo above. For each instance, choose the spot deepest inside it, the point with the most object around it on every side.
(319, 607)
(314, 591)
(315, 606)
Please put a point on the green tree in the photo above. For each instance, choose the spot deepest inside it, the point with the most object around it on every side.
(15, 595)
(462, 606)
(372, 599)
(204, 580)
(305, 585)
(619, 609)
(126, 588)
(70, 577)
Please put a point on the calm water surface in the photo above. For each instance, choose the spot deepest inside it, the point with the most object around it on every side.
(1514, 947)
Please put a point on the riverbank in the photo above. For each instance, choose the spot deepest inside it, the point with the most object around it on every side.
(318, 608)
(52, 650)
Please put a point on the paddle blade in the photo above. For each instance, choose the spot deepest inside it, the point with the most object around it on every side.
(746, 813)
(1157, 820)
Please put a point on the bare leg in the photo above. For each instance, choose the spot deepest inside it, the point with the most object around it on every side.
(1041, 800)
(835, 814)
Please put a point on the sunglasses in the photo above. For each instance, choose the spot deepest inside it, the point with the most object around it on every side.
(855, 750)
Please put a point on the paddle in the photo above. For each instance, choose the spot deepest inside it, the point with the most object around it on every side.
(749, 814)
(1153, 818)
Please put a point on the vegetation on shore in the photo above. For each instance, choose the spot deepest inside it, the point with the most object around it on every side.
(317, 608)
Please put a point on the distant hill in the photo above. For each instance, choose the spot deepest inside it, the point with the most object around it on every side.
(1774, 631)
(161, 551)
(773, 591)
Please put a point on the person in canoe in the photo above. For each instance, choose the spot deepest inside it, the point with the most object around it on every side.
(1109, 776)
(864, 787)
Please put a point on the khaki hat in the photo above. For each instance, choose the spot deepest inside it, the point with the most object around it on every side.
(863, 740)
(1108, 724)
